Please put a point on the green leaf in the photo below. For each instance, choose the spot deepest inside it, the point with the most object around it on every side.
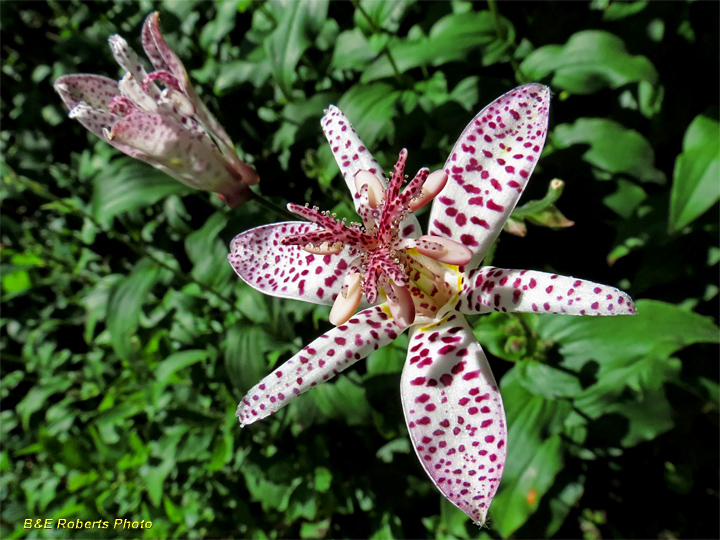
(381, 14)
(627, 362)
(387, 452)
(634, 392)
(535, 455)
(547, 381)
(352, 51)
(233, 74)
(37, 398)
(342, 399)
(695, 179)
(125, 303)
(466, 93)
(658, 327)
(590, 61)
(177, 362)
(314, 530)
(563, 499)
(323, 479)
(453, 36)
(126, 184)
(271, 486)
(519, 500)
(252, 303)
(502, 336)
(450, 40)
(371, 109)
(388, 359)
(626, 199)
(214, 31)
(15, 283)
(155, 478)
(77, 480)
(208, 253)
(614, 149)
(452, 520)
(299, 24)
(245, 354)
(613, 11)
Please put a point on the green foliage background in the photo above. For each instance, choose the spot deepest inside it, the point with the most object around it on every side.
(127, 340)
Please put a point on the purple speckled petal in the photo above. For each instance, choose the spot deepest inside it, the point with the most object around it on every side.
(455, 414)
(263, 262)
(159, 52)
(489, 167)
(127, 58)
(164, 59)
(95, 90)
(350, 153)
(490, 289)
(96, 121)
(352, 156)
(165, 144)
(324, 358)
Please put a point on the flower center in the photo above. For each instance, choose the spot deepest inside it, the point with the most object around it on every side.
(407, 270)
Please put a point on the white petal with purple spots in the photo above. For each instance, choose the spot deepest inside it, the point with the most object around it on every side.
(490, 289)
(324, 358)
(262, 262)
(489, 167)
(455, 414)
(94, 90)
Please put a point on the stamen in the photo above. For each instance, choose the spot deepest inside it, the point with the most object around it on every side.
(375, 189)
(347, 301)
(131, 90)
(401, 305)
(179, 101)
(430, 189)
(326, 248)
(443, 249)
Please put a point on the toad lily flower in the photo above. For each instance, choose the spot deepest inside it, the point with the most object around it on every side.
(171, 129)
(451, 401)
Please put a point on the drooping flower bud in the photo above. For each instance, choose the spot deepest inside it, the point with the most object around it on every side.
(171, 129)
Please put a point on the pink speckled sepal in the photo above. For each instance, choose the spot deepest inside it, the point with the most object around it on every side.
(489, 168)
(263, 262)
(95, 90)
(190, 157)
(96, 121)
(324, 358)
(161, 55)
(455, 414)
(490, 289)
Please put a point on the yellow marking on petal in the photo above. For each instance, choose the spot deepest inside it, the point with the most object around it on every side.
(386, 309)
(177, 162)
(433, 325)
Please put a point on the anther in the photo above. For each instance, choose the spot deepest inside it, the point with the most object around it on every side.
(375, 189)
(433, 185)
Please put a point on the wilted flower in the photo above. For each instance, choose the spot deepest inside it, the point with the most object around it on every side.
(171, 129)
(452, 404)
